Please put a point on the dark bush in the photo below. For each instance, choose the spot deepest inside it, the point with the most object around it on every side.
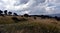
(15, 19)
(21, 16)
(57, 18)
(34, 17)
(26, 15)
(2, 15)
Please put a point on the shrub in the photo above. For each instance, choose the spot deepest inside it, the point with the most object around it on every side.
(34, 17)
(26, 15)
(15, 19)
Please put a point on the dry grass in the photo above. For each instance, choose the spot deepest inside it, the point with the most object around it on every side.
(30, 25)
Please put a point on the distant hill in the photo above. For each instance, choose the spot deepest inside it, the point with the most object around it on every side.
(53, 15)
(58, 15)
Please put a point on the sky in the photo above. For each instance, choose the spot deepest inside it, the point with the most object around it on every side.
(34, 7)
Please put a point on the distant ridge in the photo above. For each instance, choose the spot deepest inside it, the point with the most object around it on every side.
(58, 15)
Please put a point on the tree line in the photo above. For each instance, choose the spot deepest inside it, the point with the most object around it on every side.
(43, 16)
(5, 12)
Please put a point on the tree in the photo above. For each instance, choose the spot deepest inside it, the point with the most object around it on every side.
(1, 12)
(5, 12)
(15, 14)
(9, 13)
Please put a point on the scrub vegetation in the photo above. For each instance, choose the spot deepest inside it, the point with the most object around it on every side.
(29, 23)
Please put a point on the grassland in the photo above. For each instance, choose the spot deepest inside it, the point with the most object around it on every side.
(28, 25)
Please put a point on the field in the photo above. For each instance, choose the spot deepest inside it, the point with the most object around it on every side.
(21, 24)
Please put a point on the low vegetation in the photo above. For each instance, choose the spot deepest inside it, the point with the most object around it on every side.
(30, 27)
(17, 24)
(28, 23)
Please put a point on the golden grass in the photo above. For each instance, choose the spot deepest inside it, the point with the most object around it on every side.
(31, 25)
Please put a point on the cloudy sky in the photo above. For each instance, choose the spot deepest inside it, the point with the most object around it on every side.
(31, 6)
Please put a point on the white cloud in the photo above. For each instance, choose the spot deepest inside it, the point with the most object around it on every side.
(31, 6)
